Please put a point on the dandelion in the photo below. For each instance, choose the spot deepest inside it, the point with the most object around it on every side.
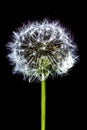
(40, 50)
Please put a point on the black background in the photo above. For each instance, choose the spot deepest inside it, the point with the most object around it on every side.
(20, 100)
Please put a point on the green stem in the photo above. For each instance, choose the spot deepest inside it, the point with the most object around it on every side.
(43, 104)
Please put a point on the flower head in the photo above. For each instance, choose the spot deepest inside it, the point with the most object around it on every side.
(42, 49)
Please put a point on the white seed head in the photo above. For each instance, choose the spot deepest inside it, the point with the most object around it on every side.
(42, 49)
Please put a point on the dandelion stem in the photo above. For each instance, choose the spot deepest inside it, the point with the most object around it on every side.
(43, 104)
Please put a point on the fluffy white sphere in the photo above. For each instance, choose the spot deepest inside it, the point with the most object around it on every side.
(40, 49)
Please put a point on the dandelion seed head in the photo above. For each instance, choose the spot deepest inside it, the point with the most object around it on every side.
(40, 49)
